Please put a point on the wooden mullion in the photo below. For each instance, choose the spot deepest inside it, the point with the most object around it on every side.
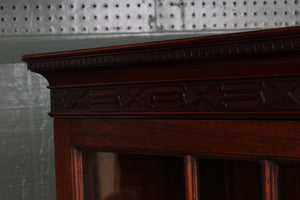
(269, 180)
(78, 173)
(191, 178)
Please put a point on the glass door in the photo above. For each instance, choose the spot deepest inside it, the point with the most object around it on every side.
(122, 176)
(117, 176)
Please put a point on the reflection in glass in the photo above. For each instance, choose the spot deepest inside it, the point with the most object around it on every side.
(111, 176)
(229, 180)
(289, 181)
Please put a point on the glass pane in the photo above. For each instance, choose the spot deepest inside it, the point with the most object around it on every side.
(229, 180)
(289, 181)
(112, 176)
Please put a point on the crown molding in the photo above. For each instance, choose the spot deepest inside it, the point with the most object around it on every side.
(208, 47)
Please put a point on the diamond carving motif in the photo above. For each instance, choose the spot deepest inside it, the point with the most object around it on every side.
(268, 94)
(201, 95)
(285, 92)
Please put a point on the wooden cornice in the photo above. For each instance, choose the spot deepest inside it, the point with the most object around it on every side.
(209, 47)
(242, 75)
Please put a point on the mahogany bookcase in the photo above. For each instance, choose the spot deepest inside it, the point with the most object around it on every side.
(206, 118)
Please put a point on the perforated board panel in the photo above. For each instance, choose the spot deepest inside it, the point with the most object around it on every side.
(143, 16)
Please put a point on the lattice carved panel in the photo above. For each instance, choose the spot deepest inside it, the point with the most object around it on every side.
(271, 94)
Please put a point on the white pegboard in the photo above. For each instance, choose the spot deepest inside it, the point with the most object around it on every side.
(86, 16)
(140, 16)
(241, 14)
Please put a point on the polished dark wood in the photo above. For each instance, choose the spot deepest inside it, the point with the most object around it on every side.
(190, 97)
(191, 177)
(64, 162)
(253, 138)
(229, 45)
(228, 105)
(270, 180)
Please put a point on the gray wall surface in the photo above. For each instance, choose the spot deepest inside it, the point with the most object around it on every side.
(26, 136)
(26, 132)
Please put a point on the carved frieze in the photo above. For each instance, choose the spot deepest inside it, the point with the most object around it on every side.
(268, 94)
